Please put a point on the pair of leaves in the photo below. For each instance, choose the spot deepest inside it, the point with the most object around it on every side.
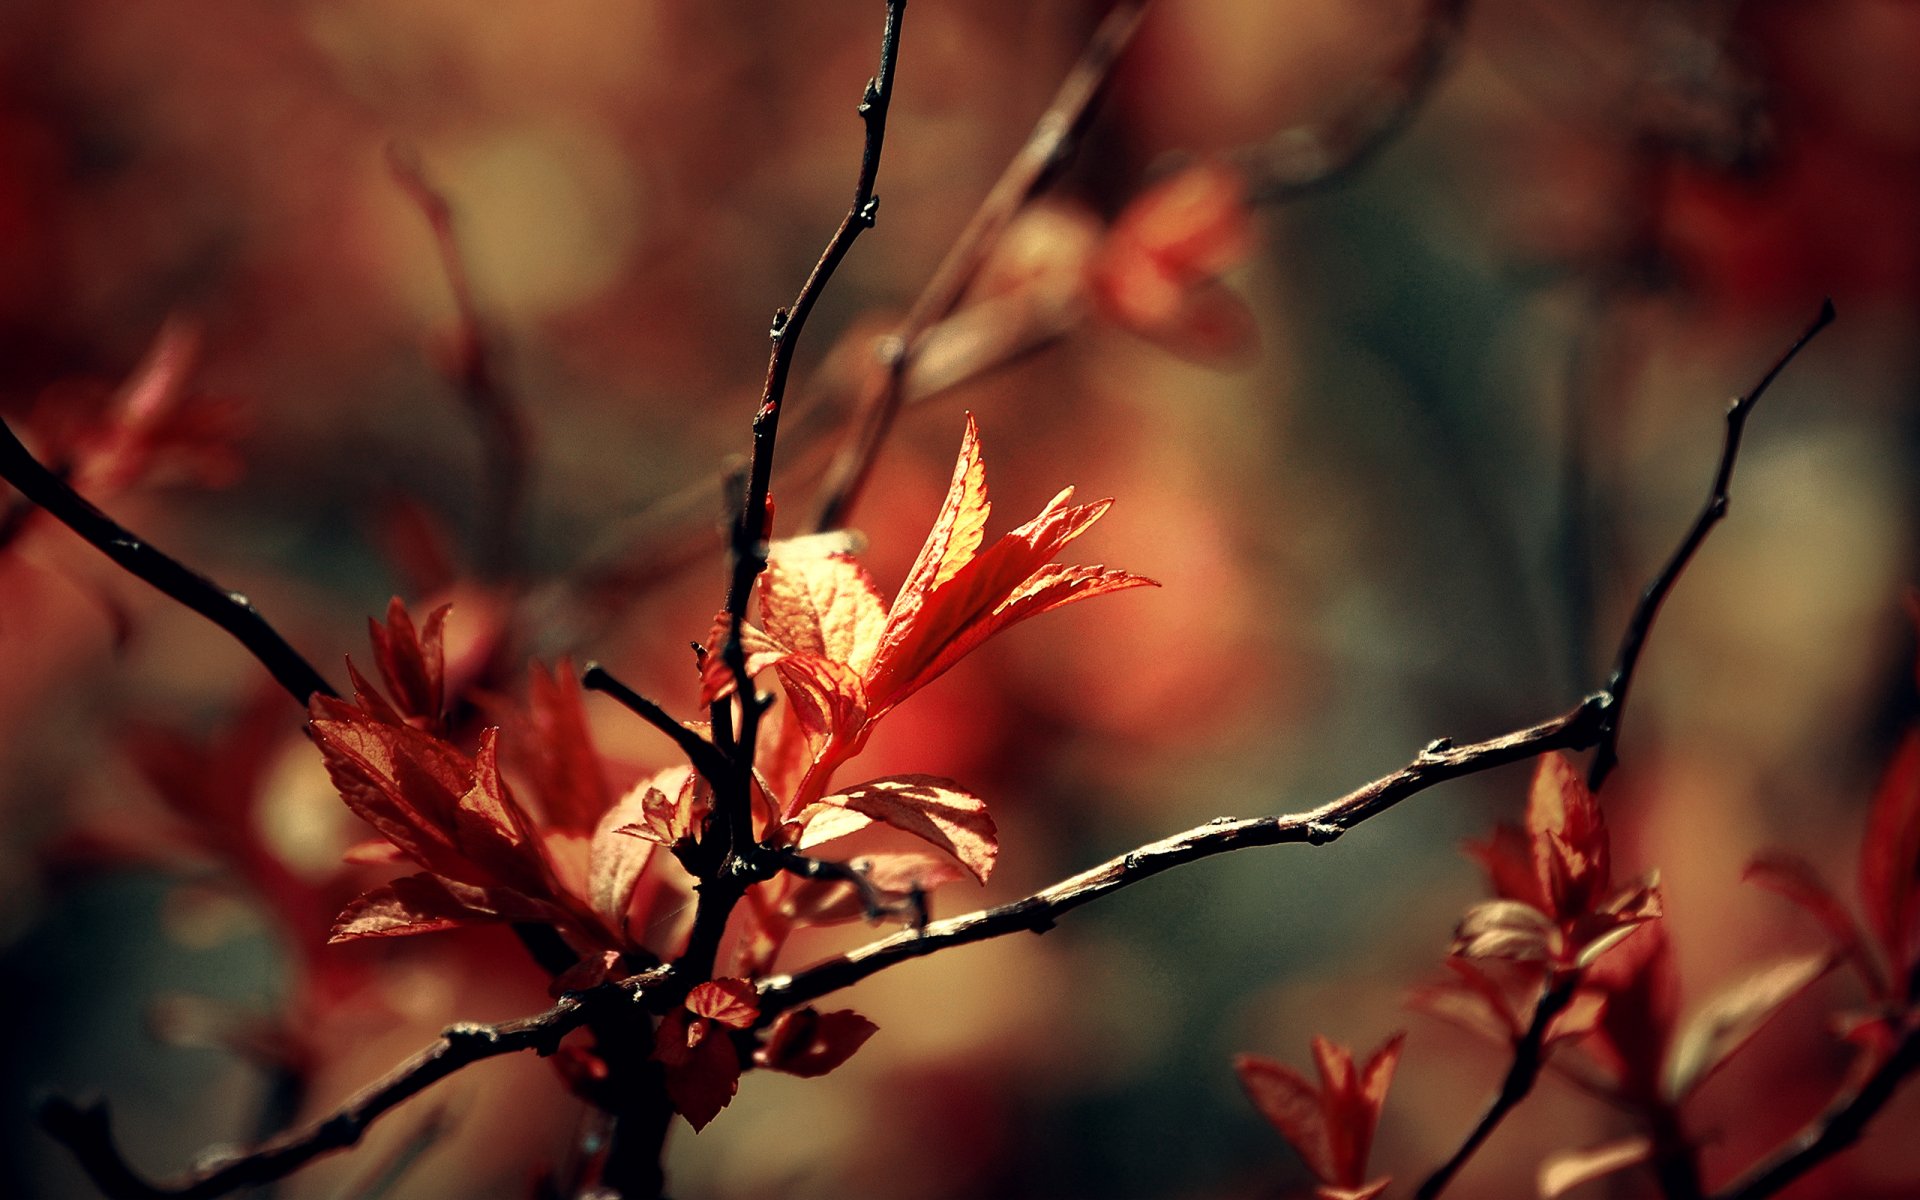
(1331, 1124)
(697, 1047)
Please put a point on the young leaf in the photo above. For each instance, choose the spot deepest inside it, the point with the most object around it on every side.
(412, 662)
(822, 604)
(1569, 838)
(702, 1067)
(617, 859)
(1729, 1020)
(409, 905)
(936, 810)
(571, 787)
(1291, 1105)
(731, 1002)
(1505, 929)
(810, 1044)
(1568, 1169)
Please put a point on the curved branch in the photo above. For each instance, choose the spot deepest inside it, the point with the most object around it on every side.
(1834, 1130)
(87, 1130)
(1048, 147)
(1640, 624)
(229, 610)
(1529, 1058)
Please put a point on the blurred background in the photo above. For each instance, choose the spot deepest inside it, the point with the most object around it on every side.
(1434, 389)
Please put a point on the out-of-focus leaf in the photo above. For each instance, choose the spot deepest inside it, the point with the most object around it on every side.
(1730, 1019)
(1795, 878)
(567, 777)
(1569, 838)
(1568, 1169)
(809, 1043)
(1890, 855)
(1291, 1105)
(1506, 929)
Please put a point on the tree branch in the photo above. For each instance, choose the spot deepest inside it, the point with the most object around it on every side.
(1439, 762)
(86, 1129)
(1640, 624)
(1529, 1058)
(1048, 147)
(703, 755)
(474, 368)
(229, 610)
(1834, 1130)
(1288, 171)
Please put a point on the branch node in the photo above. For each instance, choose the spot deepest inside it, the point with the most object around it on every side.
(1320, 833)
(869, 212)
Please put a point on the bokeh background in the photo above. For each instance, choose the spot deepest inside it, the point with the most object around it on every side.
(1481, 399)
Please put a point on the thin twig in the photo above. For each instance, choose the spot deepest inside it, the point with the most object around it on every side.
(86, 1129)
(733, 797)
(229, 610)
(1356, 138)
(703, 755)
(1048, 148)
(1573, 730)
(1529, 1057)
(873, 902)
(1640, 624)
(1834, 1130)
(475, 370)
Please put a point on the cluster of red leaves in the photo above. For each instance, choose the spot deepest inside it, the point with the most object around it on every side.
(1331, 1125)
(845, 659)
(484, 856)
(578, 859)
(1557, 925)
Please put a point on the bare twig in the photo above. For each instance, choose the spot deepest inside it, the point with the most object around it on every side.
(1529, 1058)
(475, 369)
(733, 798)
(701, 754)
(1834, 1130)
(86, 1129)
(1439, 762)
(229, 610)
(1285, 171)
(873, 902)
(1640, 624)
(1048, 147)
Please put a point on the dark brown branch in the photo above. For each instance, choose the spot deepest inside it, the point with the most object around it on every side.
(876, 904)
(1351, 142)
(1051, 144)
(1640, 624)
(1834, 1130)
(1439, 762)
(229, 610)
(1529, 1058)
(86, 1129)
(701, 754)
(475, 369)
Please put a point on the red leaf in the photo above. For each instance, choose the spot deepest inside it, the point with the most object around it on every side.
(409, 905)
(1569, 838)
(809, 1044)
(412, 662)
(566, 771)
(1507, 858)
(936, 810)
(731, 1002)
(616, 858)
(1731, 1018)
(494, 832)
(1291, 1105)
(1890, 856)
(1794, 877)
(702, 1066)
(405, 783)
(822, 604)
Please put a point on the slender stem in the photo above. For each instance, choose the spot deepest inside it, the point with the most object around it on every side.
(1439, 762)
(1358, 137)
(1051, 144)
(1529, 1058)
(475, 370)
(87, 1130)
(702, 754)
(1640, 624)
(1834, 1130)
(228, 609)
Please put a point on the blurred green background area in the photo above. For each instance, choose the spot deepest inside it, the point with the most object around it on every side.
(1483, 402)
